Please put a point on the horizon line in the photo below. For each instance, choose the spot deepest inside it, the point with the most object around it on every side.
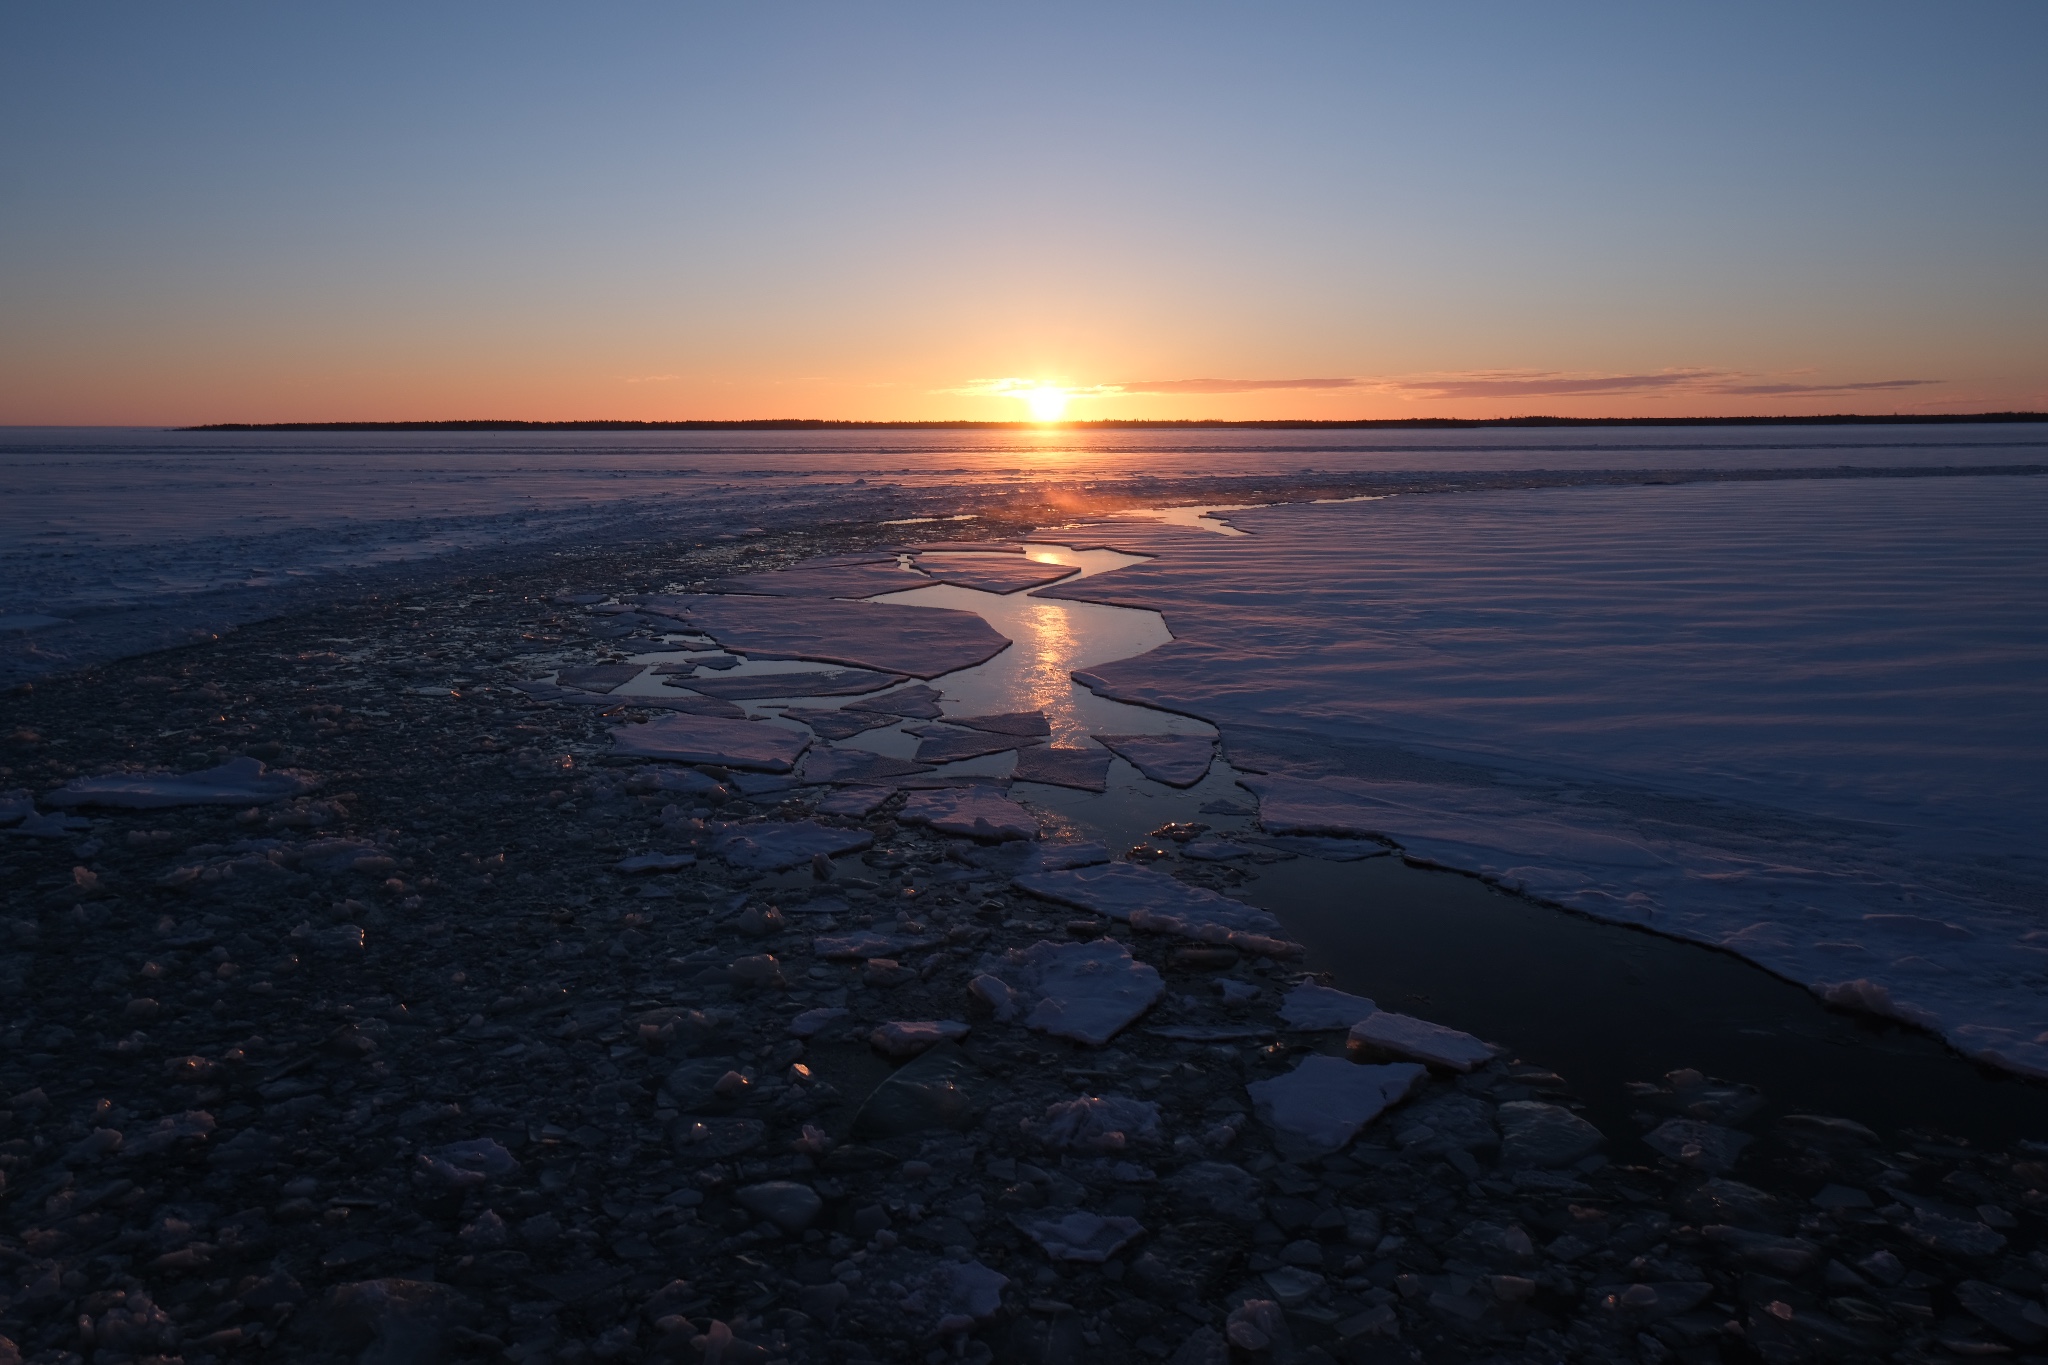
(1156, 423)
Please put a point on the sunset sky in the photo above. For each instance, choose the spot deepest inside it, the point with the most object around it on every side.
(265, 212)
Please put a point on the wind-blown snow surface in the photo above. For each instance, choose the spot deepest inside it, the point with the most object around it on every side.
(1806, 721)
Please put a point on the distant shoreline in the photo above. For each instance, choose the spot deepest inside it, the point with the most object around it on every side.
(1386, 423)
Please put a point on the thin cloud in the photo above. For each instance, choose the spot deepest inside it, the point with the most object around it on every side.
(1552, 384)
(1228, 385)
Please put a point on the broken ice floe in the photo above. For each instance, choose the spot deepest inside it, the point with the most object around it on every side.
(1053, 857)
(952, 747)
(1544, 1135)
(811, 1023)
(1176, 760)
(599, 677)
(1080, 1235)
(1082, 769)
(828, 576)
(952, 1296)
(857, 765)
(1211, 849)
(1318, 1107)
(853, 802)
(682, 781)
(1385, 1034)
(656, 862)
(1151, 900)
(922, 642)
(997, 573)
(1083, 991)
(1024, 724)
(753, 744)
(772, 846)
(837, 724)
(915, 702)
(975, 812)
(866, 944)
(907, 1038)
(1310, 1006)
(1329, 849)
(237, 782)
(1097, 1123)
(1708, 1147)
(688, 703)
(838, 682)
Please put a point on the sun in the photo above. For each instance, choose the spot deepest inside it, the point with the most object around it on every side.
(1048, 404)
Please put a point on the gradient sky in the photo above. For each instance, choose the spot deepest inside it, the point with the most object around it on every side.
(289, 211)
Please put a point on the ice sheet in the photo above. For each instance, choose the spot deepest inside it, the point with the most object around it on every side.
(1150, 900)
(599, 677)
(774, 845)
(1752, 714)
(920, 642)
(836, 724)
(991, 573)
(938, 747)
(836, 576)
(1318, 1107)
(838, 682)
(1082, 769)
(917, 702)
(1176, 760)
(857, 765)
(973, 811)
(1028, 724)
(751, 744)
(1084, 991)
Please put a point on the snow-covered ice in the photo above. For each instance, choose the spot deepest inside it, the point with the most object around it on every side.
(857, 765)
(1312, 1006)
(1383, 1033)
(1318, 1107)
(834, 576)
(916, 702)
(1752, 714)
(1087, 992)
(1003, 573)
(1176, 760)
(977, 812)
(684, 738)
(936, 747)
(840, 682)
(842, 724)
(237, 782)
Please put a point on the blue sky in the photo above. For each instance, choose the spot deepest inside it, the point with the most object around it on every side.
(274, 212)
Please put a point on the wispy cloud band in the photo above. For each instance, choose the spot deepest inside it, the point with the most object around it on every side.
(1551, 384)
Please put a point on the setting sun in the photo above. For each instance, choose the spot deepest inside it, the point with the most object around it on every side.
(1047, 404)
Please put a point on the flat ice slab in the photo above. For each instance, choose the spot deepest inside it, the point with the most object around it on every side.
(908, 1037)
(922, 642)
(857, 765)
(1084, 991)
(1028, 724)
(1318, 1107)
(976, 812)
(1080, 1235)
(999, 573)
(1082, 769)
(1176, 760)
(1385, 1034)
(838, 682)
(853, 801)
(656, 862)
(843, 724)
(237, 782)
(599, 677)
(834, 576)
(683, 738)
(1310, 1006)
(915, 702)
(772, 846)
(1052, 857)
(958, 744)
(1150, 900)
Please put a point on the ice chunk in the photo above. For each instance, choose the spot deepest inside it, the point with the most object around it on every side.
(1176, 760)
(1153, 901)
(997, 573)
(858, 947)
(811, 1023)
(940, 1088)
(599, 677)
(788, 1204)
(1025, 724)
(1310, 1006)
(994, 992)
(1220, 1190)
(951, 748)
(1544, 1135)
(1318, 1107)
(237, 782)
(752, 744)
(1082, 769)
(1294, 805)
(763, 784)
(915, 702)
(954, 1295)
(853, 801)
(1211, 849)
(1705, 1147)
(656, 862)
(1097, 1123)
(1051, 857)
(685, 781)
(18, 804)
(1083, 991)
(836, 724)
(1385, 1034)
(1080, 1235)
(857, 765)
(907, 1038)
(774, 846)
(838, 682)
(922, 642)
(972, 811)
